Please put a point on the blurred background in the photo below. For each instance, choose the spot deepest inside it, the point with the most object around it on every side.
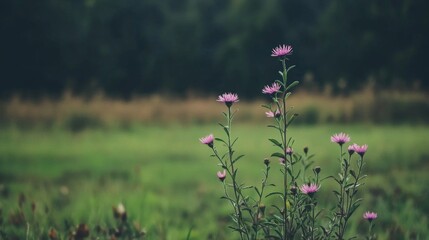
(100, 100)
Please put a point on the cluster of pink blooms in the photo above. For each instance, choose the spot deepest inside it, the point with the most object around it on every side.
(281, 51)
(342, 138)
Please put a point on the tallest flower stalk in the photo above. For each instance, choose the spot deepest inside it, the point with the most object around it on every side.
(282, 51)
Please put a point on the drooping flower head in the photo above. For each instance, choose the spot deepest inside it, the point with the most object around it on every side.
(309, 189)
(274, 88)
(228, 98)
(361, 150)
(351, 149)
(282, 161)
(281, 51)
(370, 216)
(289, 151)
(340, 138)
(221, 175)
(272, 114)
(208, 140)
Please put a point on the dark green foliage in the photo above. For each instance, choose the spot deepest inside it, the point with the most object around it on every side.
(132, 46)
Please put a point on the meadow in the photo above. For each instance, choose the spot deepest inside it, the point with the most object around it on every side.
(57, 178)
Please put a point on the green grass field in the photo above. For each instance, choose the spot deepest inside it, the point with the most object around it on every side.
(167, 181)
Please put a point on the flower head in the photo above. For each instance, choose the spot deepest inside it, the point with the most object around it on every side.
(370, 216)
(361, 150)
(274, 88)
(309, 189)
(282, 161)
(340, 138)
(351, 149)
(228, 98)
(208, 140)
(282, 51)
(272, 114)
(221, 175)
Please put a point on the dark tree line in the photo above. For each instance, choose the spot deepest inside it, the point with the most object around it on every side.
(130, 47)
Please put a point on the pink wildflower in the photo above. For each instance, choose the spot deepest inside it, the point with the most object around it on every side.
(351, 149)
(282, 161)
(208, 140)
(271, 114)
(370, 216)
(340, 138)
(361, 150)
(274, 88)
(228, 98)
(221, 175)
(309, 189)
(282, 51)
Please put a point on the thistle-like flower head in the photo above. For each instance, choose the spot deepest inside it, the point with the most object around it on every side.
(340, 138)
(272, 114)
(228, 98)
(309, 189)
(361, 150)
(281, 50)
(208, 140)
(221, 175)
(351, 149)
(274, 88)
(370, 216)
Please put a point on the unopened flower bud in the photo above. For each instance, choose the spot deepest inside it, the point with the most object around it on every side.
(267, 161)
(317, 169)
(293, 190)
(306, 150)
(289, 151)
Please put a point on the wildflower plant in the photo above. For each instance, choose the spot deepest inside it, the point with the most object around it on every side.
(296, 214)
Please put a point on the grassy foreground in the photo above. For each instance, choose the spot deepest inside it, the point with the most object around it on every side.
(167, 181)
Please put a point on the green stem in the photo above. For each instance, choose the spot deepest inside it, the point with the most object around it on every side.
(240, 221)
(256, 220)
(285, 183)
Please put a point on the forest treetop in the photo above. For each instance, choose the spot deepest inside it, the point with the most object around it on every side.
(131, 47)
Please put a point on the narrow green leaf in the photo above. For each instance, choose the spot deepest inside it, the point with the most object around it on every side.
(292, 85)
(275, 142)
(277, 154)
